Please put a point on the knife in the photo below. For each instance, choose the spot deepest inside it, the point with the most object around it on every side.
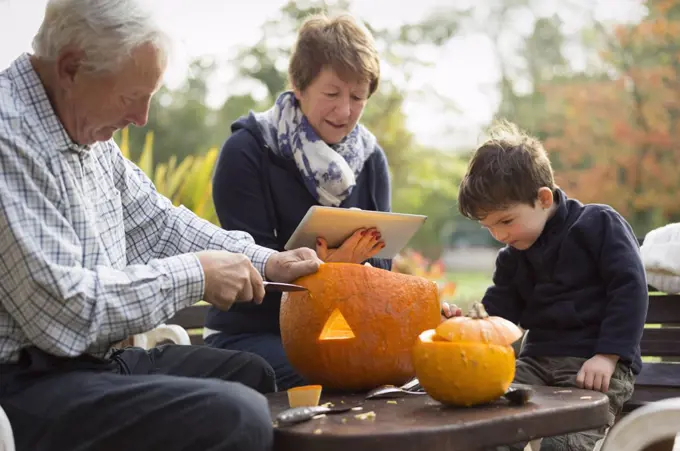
(279, 286)
(296, 415)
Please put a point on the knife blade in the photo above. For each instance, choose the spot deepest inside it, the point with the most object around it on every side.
(280, 286)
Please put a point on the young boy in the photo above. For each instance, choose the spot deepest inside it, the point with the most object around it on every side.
(570, 274)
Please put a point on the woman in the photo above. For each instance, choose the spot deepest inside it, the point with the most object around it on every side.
(308, 149)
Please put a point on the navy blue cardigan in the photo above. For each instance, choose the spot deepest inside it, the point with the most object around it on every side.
(580, 290)
(256, 191)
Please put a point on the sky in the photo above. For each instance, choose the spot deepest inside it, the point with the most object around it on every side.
(465, 71)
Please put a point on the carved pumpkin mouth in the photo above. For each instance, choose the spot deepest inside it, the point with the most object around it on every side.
(336, 328)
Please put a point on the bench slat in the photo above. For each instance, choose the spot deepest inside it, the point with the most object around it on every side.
(191, 317)
(664, 309)
(659, 375)
(196, 339)
(663, 342)
(645, 395)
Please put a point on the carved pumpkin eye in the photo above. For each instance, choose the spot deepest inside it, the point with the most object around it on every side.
(336, 328)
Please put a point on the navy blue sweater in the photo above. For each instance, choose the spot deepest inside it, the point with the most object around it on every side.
(580, 290)
(256, 191)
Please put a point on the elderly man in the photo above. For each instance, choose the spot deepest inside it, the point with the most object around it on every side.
(90, 253)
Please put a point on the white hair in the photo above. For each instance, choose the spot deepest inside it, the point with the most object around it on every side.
(107, 31)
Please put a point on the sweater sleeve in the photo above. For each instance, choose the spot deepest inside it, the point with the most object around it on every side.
(382, 192)
(623, 274)
(238, 192)
(502, 298)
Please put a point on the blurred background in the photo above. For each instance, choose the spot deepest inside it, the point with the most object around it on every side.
(597, 80)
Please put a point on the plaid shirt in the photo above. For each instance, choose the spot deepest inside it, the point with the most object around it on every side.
(90, 252)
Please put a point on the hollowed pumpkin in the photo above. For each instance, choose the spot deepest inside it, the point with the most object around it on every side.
(467, 360)
(355, 327)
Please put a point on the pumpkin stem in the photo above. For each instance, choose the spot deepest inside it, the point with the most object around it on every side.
(478, 311)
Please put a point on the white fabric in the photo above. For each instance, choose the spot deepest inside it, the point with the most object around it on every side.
(661, 258)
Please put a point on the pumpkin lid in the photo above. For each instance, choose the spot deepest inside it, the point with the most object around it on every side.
(478, 327)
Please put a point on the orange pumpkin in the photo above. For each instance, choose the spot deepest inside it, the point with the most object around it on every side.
(355, 327)
(467, 360)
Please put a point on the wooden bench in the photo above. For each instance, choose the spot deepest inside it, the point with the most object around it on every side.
(660, 347)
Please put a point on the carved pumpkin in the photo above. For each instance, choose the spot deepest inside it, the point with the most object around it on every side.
(355, 327)
(467, 360)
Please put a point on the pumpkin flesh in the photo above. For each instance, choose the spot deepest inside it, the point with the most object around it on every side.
(304, 396)
(355, 327)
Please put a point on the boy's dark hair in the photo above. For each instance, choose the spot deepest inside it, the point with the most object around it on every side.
(509, 168)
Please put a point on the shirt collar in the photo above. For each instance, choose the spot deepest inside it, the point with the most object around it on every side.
(560, 198)
(555, 224)
(32, 93)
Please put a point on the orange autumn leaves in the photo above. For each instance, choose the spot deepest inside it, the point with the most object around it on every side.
(412, 262)
(617, 140)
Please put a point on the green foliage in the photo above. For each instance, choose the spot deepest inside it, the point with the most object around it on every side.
(430, 188)
(187, 183)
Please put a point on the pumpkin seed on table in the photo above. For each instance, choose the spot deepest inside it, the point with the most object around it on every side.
(366, 416)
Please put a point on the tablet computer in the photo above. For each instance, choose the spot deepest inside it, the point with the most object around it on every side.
(338, 224)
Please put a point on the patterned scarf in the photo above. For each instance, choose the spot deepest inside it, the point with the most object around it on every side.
(329, 171)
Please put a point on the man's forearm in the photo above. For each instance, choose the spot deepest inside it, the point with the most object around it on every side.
(88, 308)
(188, 233)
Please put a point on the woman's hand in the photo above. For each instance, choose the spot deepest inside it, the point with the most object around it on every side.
(362, 245)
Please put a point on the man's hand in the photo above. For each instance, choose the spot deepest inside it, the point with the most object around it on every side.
(229, 278)
(360, 246)
(288, 266)
(596, 372)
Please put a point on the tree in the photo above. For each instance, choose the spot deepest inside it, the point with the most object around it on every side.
(616, 139)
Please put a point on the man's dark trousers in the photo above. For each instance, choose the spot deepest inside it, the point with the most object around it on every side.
(170, 398)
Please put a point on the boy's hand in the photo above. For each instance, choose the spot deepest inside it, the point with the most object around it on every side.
(596, 372)
(450, 310)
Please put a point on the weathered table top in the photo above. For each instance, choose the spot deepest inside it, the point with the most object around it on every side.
(419, 422)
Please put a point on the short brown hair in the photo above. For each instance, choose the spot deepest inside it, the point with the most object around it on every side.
(508, 169)
(339, 43)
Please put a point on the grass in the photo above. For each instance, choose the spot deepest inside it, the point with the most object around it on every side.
(470, 287)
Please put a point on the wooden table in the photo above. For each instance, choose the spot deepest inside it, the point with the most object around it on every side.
(419, 422)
